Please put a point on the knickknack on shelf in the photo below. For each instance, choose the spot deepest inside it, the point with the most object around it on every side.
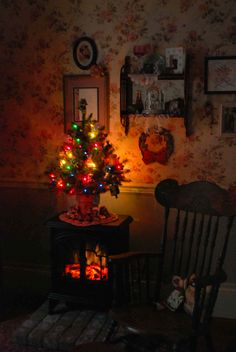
(160, 87)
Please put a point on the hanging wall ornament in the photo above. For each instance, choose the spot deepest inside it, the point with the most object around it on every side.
(156, 145)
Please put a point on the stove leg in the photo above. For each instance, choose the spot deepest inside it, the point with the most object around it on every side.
(51, 305)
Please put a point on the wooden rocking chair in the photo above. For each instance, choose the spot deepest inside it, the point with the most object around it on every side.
(164, 301)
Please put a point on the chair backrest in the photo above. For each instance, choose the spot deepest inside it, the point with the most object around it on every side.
(193, 233)
(198, 221)
(199, 217)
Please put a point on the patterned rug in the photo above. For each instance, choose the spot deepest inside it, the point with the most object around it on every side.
(7, 330)
(62, 331)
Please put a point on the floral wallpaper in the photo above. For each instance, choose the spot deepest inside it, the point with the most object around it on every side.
(37, 38)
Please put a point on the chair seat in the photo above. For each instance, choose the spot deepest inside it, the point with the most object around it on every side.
(147, 320)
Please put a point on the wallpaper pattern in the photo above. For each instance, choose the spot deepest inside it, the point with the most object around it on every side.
(37, 37)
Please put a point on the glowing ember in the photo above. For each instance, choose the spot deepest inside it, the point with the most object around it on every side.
(92, 271)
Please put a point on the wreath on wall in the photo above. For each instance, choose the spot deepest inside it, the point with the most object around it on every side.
(156, 145)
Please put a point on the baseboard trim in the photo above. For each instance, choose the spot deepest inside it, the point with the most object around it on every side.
(225, 306)
(23, 184)
(145, 189)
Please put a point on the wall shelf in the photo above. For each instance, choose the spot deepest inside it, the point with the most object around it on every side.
(147, 79)
(149, 94)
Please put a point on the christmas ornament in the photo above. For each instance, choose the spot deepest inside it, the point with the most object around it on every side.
(156, 145)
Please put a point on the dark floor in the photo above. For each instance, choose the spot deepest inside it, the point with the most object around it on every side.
(224, 334)
(13, 306)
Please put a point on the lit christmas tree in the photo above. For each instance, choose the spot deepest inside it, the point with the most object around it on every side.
(87, 164)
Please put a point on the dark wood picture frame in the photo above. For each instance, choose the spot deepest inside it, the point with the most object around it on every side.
(220, 75)
(85, 53)
(94, 90)
(227, 121)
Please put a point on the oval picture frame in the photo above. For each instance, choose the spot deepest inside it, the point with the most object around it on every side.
(85, 53)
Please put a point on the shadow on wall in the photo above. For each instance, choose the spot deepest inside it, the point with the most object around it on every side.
(145, 230)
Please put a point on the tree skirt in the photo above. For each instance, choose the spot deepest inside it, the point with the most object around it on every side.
(67, 217)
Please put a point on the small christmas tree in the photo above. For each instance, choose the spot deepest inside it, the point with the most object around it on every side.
(87, 163)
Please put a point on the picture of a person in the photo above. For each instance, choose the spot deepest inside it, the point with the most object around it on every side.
(84, 53)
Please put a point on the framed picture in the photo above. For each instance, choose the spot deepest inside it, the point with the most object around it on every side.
(220, 74)
(85, 53)
(228, 119)
(94, 90)
(175, 59)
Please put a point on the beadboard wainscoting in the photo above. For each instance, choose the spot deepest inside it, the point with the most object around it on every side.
(24, 243)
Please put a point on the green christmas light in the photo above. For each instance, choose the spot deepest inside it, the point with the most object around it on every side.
(74, 126)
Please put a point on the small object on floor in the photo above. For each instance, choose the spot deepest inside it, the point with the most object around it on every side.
(159, 306)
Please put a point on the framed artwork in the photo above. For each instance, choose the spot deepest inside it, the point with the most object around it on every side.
(175, 59)
(220, 74)
(228, 119)
(85, 53)
(94, 90)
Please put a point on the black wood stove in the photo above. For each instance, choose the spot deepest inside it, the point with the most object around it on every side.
(79, 261)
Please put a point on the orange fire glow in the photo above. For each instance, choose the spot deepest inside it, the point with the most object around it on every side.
(92, 271)
(96, 265)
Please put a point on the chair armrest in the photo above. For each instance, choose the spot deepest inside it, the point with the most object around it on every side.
(122, 257)
(135, 276)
